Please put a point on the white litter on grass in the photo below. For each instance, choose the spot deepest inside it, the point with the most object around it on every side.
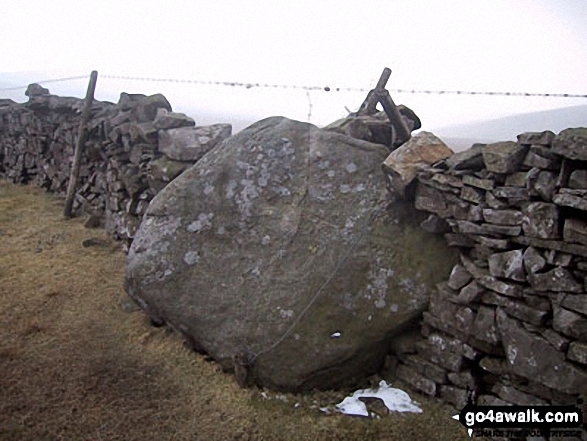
(396, 400)
(335, 335)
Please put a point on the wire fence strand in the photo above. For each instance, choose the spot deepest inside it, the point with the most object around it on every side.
(326, 88)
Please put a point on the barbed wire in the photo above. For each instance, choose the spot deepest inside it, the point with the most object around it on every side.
(56, 80)
(309, 87)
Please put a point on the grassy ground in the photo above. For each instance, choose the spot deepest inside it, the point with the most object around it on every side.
(77, 364)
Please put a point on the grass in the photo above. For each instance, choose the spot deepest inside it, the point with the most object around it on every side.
(78, 363)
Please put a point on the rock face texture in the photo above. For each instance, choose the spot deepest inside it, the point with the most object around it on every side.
(276, 251)
(512, 316)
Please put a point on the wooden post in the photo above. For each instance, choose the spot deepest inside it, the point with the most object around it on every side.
(369, 105)
(79, 147)
(392, 112)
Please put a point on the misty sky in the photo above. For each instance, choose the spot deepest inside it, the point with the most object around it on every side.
(481, 45)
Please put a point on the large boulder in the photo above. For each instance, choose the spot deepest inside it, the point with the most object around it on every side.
(277, 255)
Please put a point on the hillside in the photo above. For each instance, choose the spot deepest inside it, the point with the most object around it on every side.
(462, 136)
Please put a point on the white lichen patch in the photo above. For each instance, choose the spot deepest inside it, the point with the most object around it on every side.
(208, 189)
(230, 189)
(191, 258)
(345, 188)
(323, 165)
(265, 241)
(512, 353)
(394, 307)
(331, 173)
(285, 313)
(378, 286)
(203, 223)
(351, 168)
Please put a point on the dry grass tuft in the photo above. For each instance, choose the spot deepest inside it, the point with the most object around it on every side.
(75, 366)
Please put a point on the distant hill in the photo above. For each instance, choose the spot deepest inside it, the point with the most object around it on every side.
(507, 128)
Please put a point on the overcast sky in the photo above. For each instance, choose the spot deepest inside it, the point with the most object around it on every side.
(480, 45)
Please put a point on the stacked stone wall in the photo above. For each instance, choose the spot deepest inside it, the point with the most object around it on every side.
(510, 323)
(133, 149)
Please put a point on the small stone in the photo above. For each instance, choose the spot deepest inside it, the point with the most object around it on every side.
(447, 360)
(569, 323)
(191, 143)
(526, 313)
(475, 213)
(513, 395)
(447, 180)
(576, 303)
(504, 157)
(494, 202)
(416, 380)
(502, 217)
(508, 265)
(429, 370)
(557, 258)
(556, 280)
(471, 159)
(570, 200)
(492, 243)
(497, 366)
(463, 379)
(577, 352)
(459, 240)
(514, 195)
(541, 157)
(171, 120)
(36, 90)
(484, 327)
(558, 245)
(459, 277)
(575, 230)
(578, 179)
(431, 200)
(558, 341)
(541, 183)
(541, 138)
(507, 289)
(500, 230)
(533, 260)
(541, 220)
(454, 395)
(473, 195)
(484, 184)
(470, 293)
(571, 143)
(146, 108)
(517, 179)
(94, 242)
(532, 357)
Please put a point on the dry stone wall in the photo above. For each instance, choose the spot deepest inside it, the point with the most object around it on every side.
(133, 149)
(510, 323)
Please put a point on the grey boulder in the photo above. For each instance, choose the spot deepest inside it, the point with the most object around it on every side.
(277, 255)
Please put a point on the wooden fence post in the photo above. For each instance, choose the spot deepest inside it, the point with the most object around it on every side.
(79, 147)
